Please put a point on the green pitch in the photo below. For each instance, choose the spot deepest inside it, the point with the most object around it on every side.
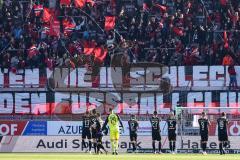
(77, 156)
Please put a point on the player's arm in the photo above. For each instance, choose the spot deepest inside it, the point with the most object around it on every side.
(129, 125)
(121, 124)
(209, 123)
(104, 127)
(159, 121)
(91, 122)
(218, 121)
(120, 121)
(227, 122)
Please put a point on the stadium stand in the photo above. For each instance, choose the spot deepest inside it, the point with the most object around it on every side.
(72, 33)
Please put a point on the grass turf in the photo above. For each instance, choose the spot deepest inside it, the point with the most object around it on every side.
(78, 156)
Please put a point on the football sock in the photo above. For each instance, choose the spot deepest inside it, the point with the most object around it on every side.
(113, 146)
(170, 146)
(174, 145)
(134, 146)
(153, 145)
(204, 146)
(116, 145)
(90, 145)
(221, 148)
(98, 148)
(95, 147)
(83, 144)
(159, 146)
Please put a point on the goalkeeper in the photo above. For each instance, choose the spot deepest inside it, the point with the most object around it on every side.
(113, 121)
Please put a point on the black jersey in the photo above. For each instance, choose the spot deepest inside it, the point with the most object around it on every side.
(93, 119)
(133, 124)
(155, 122)
(222, 125)
(86, 122)
(203, 125)
(172, 124)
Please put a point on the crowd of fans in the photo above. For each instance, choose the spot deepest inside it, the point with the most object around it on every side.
(170, 32)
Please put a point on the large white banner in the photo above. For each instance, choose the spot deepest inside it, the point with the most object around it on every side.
(179, 76)
(138, 103)
(73, 143)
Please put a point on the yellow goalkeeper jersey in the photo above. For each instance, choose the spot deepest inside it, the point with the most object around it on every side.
(113, 122)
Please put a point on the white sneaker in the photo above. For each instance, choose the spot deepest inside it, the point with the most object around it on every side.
(204, 153)
(90, 152)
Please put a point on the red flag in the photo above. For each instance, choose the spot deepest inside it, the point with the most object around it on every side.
(46, 15)
(65, 2)
(225, 39)
(54, 28)
(161, 7)
(79, 3)
(91, 2)
(100, 53)
(68, 26)
(88, 47)
(109, 22)
(37, 9)
(178, 31)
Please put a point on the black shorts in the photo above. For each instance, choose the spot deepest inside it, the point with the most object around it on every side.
(86, 134)
(156, 136)
(172, 136)
(133, 136)
(222, 136)
(94, 134)
(204, 136)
